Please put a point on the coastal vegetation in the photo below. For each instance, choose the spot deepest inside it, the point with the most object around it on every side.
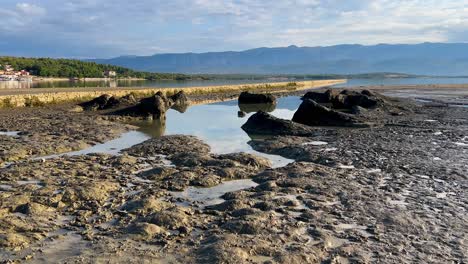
(69, 68)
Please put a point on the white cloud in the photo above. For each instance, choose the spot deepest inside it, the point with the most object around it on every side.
(113, 27)
(30, 9)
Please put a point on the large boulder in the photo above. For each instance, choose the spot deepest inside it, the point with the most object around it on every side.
(313, 114)
(250, 98)
(155, 105)
(320, 97)
(263, 123)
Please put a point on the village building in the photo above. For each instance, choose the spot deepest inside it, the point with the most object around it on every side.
(8, 73)
(110, 74)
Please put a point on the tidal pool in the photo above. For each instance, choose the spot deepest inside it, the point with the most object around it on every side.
(219, 125)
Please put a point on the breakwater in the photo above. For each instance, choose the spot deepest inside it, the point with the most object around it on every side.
(38, 97)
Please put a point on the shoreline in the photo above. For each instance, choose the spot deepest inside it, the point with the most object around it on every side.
(59, 79)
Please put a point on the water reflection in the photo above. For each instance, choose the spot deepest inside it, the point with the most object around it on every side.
(217, 125)
(109, 83)
(253, 108)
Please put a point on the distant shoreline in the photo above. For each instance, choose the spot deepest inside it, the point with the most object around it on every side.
(57, 79)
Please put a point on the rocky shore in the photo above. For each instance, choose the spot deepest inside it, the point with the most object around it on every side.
(391, 191)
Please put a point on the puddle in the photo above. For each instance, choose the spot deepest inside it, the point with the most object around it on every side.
(112, 147)
(61, 248)
(10, 133)
(461, 144)
(211, 196)
(5, 187)
(315, 143)
(331, 149)
(373, 171)
(348, 167)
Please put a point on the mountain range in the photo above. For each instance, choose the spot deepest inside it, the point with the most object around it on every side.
(449, 59)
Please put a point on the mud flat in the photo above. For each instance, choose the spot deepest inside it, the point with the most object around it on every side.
(392, 192)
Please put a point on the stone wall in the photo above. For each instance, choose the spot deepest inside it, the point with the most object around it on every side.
(38, 97)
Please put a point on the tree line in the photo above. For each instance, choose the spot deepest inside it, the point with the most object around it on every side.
(69, 68)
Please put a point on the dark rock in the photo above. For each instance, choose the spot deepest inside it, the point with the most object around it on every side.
(179, 98)
(263, 123)
(348, 99)
(102, 102)
(169, 145)
(313, 114)
(319, 97)
(241, 113)
(250, 98)
(107, 101)
(154, 107)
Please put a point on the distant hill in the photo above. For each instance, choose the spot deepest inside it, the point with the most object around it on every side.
(421, 59)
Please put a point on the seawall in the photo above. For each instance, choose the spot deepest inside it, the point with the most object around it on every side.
(42, 96)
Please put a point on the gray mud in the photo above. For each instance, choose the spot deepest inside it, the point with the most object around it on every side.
(395, 193)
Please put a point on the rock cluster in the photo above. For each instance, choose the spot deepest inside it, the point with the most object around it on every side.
(329, 108)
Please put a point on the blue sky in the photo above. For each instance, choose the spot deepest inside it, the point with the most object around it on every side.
(109, 28)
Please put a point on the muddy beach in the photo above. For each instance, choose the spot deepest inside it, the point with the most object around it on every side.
(80, 186)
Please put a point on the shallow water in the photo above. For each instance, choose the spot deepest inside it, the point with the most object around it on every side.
(211, 196)
(124, 83)
(220, 127)
(217, 124)
(402, 81)
(10, 133)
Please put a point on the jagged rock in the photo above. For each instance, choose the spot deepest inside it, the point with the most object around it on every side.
(348, 99)
(102, 102)
(155, 105)
(250, 98)
(107, 101)
(263, 123)
(313, 114)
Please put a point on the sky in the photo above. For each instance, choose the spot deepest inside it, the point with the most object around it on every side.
(110, 28)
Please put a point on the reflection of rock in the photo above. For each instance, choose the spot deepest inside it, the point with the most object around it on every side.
(250, 98)
(313, 114)
(253, 108)
(263, 123)
(154, 128)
